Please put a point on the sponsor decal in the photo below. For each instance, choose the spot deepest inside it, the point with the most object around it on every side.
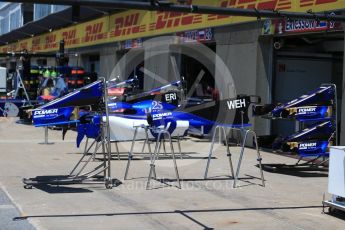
(307, 145)
(166, 20)
(24, 45)
(36, 44)
(70, 37)
(306, 110)
(112, 104)
(158, 116)
(46, 112)
(50, 41)
(204, 35)
(127, 25)
(132, 44)
(51, 116)
(304, 26)
(94, 32)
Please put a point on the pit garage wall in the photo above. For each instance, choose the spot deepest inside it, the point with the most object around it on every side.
(249, 58)
(247, 55)
(158, 63)
(107, 58)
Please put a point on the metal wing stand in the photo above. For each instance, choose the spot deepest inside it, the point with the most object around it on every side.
(161, 134)
(131, 151)
(78, 174)
(106, 142)
(147, 142)
(244, 132)
(21, 85)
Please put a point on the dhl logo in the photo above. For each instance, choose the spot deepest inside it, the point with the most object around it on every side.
(94, 32)
(257, 4)
(70, 37)
(36, 41)
(24, 45)
(36, 44)
(266, 5)
(127, 25)
(308, 3)
(13, 47)
(252, 4)
(173, 19)
(272, 4)
(50, 42)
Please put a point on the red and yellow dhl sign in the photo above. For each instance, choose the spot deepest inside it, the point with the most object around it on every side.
(277, 4)
(133, 24)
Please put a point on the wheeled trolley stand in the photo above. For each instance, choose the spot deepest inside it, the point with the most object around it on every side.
(244, 133)
(100, 174)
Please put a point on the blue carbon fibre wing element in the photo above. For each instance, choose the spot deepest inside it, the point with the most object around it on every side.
(49, 117)
(313, 148)
(87, 95)
(313, 99)
(58, 123)
(305, 113)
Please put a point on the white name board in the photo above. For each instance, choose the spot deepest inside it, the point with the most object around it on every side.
(2, 80)
(336, 176)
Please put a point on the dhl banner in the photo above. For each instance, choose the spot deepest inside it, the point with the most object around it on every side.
(137, 24)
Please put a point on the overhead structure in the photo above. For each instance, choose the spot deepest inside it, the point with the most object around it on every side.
(25, 53)
(154, 5)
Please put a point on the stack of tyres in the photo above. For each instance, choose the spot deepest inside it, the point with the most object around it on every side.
(76, 78)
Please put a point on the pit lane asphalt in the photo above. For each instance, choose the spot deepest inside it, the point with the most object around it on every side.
(287, 202)
(8, 213)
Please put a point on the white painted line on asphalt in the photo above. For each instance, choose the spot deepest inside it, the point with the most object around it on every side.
(34, 141)
(34, 223)
(6, 206)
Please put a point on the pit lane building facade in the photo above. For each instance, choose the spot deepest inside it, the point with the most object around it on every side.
(276, 59)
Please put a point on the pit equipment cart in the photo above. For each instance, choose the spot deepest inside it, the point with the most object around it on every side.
(336, 179)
